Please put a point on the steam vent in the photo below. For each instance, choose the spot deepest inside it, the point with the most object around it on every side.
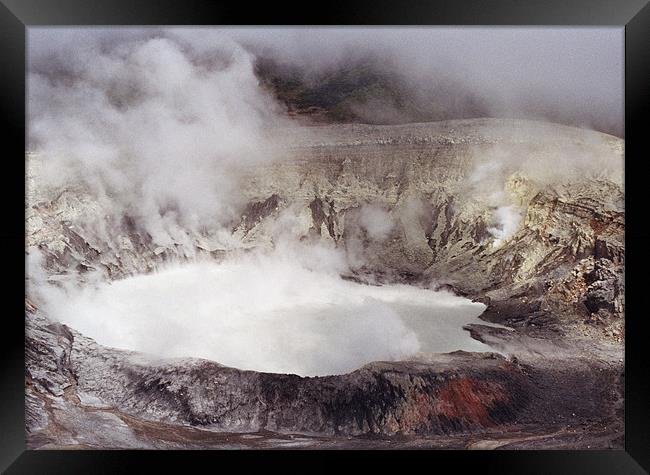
(449, 284)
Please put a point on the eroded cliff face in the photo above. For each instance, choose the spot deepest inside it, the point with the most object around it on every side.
(541, 244)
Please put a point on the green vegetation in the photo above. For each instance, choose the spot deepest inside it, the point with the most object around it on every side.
(363, 92)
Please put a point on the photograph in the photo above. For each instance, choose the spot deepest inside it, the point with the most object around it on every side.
(325, 237)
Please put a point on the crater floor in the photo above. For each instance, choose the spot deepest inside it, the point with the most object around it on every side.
(268, 315)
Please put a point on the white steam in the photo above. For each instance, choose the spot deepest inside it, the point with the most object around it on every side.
(156, 127)
(266, 313)
(508, 221)
(536, 156)
(376, 221)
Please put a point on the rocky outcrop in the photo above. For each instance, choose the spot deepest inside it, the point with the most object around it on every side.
(72, 383)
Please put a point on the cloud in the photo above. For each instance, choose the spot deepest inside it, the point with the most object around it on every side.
(567, 75)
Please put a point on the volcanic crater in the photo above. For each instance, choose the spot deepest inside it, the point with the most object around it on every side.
(401, 209)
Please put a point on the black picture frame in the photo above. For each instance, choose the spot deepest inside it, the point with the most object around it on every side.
(633, 15)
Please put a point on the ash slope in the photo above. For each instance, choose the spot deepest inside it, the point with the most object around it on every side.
(557, 281)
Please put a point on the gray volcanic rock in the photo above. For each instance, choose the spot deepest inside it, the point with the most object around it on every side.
(556, 278)
(458, 393)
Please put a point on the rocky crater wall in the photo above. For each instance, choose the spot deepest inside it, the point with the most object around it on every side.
(556, 279)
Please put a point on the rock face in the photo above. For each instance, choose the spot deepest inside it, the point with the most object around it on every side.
(73, 383)
(542, 246)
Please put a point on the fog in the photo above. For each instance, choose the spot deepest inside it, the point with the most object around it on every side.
(572, 76)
